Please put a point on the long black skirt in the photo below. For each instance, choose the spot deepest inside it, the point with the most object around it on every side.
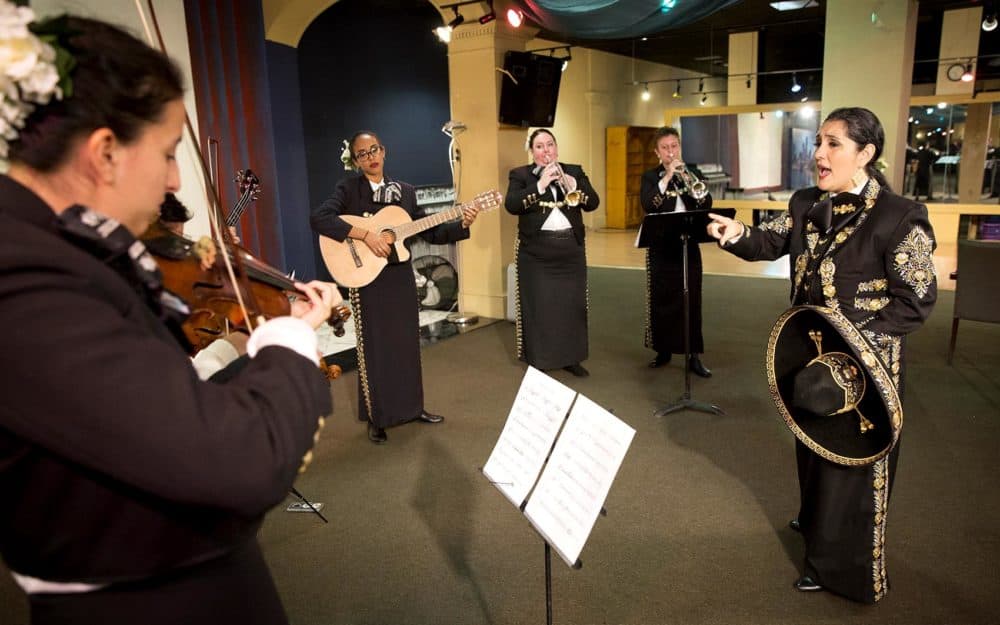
(843, 519)
(386, 319)
(665, 299)
(552, 300)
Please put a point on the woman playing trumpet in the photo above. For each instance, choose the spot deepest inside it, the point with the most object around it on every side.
(671, 187)
(549, 199)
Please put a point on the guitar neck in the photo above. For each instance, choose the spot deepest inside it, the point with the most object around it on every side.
(407, 230)
(234, 215)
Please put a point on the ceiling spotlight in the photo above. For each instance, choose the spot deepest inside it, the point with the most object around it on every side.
(805, 98)
(443, 33)
(457, 20)
(645, 93)
(701, 85)
(515, 17)
(968, 76)
(942, 105)
(796, 87)
(748, 81)
(807, 112)
(567, 59)
(490, 15)
(666, 5)
(990, 23)
(779, 114)
(677, 91)
(929, 110)
(704, 99)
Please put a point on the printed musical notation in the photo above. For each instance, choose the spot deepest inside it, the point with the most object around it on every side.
(538, 412)
(577, 476)
(571, 491)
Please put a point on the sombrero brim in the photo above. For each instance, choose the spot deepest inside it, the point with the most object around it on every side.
(836, 438)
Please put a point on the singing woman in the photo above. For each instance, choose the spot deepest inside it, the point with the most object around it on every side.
(860, 249)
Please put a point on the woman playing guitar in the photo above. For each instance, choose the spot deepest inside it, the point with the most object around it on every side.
(390, 385)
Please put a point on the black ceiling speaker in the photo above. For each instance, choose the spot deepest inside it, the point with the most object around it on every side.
(532, 100)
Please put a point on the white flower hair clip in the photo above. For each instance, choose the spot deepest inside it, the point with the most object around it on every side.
(346, 157)
(33, 68)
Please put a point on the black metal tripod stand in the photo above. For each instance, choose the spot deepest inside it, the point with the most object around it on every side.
(684, 402)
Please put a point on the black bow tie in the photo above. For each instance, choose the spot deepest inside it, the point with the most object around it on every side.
(821, 213)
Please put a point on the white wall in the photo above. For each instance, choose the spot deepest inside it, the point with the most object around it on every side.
(170, 16)
(760, 150)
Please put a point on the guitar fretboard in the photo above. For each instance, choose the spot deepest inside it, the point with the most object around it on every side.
(409, 229)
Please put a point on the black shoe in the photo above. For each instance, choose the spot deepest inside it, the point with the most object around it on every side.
(806, 584)
(699, 369)
(659, 361)
(376, 434)
(427, 417)
(577, 370)
(795, 525)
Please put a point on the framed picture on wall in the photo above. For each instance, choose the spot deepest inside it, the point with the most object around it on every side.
(800, 158)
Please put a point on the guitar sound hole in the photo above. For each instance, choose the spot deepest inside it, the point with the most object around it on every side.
(388, 236)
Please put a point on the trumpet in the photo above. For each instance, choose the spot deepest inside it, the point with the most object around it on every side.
(572, 198)
(695, 187)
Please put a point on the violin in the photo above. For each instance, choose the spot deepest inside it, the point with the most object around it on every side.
(214, 300)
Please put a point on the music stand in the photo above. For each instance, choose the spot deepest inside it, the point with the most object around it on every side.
(661, 228)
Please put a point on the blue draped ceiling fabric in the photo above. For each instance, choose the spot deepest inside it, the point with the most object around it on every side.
(616, 19)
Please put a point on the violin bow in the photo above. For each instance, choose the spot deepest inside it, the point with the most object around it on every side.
(216, 217)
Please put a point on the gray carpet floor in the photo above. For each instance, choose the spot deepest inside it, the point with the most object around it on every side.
(696, 531)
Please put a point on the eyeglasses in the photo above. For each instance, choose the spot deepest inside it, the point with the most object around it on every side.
(372, 152)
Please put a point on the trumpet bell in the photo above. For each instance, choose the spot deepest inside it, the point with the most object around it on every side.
(699, 190)
(573, 198)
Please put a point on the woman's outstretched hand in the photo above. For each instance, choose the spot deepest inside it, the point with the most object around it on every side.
(724, 229)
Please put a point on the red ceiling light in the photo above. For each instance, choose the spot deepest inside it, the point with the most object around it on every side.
(515, 17)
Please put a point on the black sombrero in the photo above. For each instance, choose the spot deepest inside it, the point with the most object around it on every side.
(831, 388)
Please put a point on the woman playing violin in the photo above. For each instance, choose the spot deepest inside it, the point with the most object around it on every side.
(133, 490)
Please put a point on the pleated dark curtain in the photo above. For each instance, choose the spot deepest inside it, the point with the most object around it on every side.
(229, 69)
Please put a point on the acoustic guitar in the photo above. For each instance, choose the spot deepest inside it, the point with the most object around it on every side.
(353, 264)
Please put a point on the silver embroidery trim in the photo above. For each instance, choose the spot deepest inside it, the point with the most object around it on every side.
(517, 301)
(880, 493)
(913, 259)
(871, 303)
(355, 296)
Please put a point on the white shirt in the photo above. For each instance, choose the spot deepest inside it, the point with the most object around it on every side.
(557, 219)
(680, 207)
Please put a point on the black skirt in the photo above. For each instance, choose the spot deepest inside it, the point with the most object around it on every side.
(386, 317)
(665, 299)
(552, 300)
(843, 518)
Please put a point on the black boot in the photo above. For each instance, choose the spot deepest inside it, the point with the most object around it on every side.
(376, 434)
(699, 369)
(661, 359)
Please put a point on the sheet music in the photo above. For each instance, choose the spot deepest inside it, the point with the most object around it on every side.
(578, 476)
(532, 425)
